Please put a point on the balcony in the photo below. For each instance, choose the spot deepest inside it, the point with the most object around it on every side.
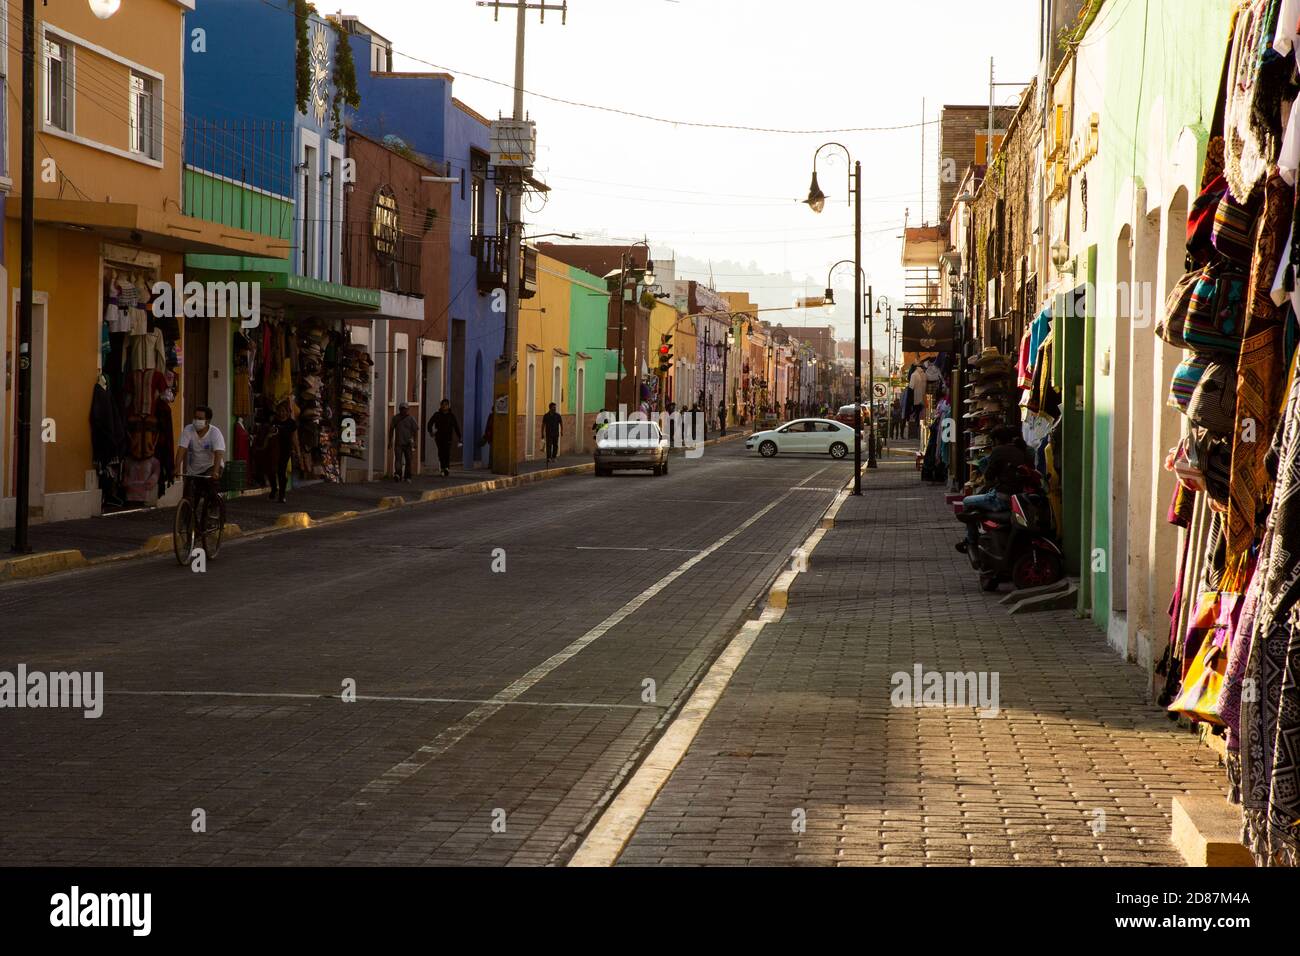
(491, 254)
(388, 263)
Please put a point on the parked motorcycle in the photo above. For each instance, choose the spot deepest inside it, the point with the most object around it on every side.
(1016, 546)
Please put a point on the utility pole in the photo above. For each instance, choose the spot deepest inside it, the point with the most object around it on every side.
(22, 493)
(503, 461)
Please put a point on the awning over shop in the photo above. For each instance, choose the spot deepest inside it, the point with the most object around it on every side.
(156, 228)
(282, 288)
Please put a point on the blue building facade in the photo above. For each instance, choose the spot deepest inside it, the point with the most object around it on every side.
(420, 110)
(255, 161)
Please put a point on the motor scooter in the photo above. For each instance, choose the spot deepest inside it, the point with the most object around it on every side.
(1016, 545)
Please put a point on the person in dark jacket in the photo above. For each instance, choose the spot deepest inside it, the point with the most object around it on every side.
(402, 431)
(283, 437)
(442, 426)
(552, 426)
(1001, 481)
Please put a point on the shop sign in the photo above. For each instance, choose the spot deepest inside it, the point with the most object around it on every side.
(927, 331)
(385, 223)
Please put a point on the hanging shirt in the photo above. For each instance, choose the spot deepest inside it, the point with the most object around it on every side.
(917, 384)
(1038, 330)
(1288, 27)
(145, 352)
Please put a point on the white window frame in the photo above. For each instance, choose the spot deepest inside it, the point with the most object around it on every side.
(400, 370)
(75, 44)
(557, 377)
(144, 85)
(308, 191)
(67, 57)
(333, 195)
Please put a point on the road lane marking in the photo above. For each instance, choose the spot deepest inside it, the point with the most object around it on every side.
(605, 842)
(614, 828)
(381, 698)
(452, 735)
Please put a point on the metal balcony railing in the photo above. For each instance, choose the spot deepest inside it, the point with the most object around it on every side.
(390, 266)
(491, 254)
(240, 173)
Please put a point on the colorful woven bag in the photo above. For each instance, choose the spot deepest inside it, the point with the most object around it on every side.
(1186, 377)
(1213, 405)
(1177, 304)
(1216, 314)
(1233, 233)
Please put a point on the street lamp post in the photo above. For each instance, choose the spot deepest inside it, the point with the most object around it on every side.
(886, 308)
(626, 268)
(857, 362)
(817, 202)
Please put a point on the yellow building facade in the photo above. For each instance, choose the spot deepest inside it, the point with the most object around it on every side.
(544, 360)
(109, 227)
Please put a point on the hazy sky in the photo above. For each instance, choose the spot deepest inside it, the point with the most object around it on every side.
(725, 194)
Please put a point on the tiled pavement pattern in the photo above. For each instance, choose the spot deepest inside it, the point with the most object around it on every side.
(406, 605)
(118, 533)
(807, 723)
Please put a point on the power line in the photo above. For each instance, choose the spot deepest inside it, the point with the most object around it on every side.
(633, 114)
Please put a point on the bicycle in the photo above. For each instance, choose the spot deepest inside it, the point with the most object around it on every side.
(200, 519)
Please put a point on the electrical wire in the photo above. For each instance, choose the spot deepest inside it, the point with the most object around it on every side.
(633, 114)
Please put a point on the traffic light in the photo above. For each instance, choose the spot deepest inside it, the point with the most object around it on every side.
(665, 353)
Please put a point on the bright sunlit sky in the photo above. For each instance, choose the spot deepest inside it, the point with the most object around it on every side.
(719, 196)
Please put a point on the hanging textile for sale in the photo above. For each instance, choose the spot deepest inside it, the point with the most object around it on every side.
(1270, 717)
(1258, 379)
(1245, 152)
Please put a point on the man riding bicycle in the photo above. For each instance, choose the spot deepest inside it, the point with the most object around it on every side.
(200, 457)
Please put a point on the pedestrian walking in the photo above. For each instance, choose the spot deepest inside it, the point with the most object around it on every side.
(722, 418)
(283, 448)
(552, 426)
(442, 427)
(671, 408)
(402, 431)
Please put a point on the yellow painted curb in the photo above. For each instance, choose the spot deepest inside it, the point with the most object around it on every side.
(294, 519)
(158, 543)
(779, 595)
(1207, 832)
(338, 516)
(391, 501)
(36, 565)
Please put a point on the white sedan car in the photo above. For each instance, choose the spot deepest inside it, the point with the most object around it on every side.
(804, 436)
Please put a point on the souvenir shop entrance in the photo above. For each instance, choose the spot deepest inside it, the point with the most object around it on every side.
(305, 368)
(299, 364)
(132, 414)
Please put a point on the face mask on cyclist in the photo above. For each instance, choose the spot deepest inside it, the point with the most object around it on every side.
(200, 424)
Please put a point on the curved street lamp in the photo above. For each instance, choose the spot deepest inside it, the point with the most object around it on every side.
(861, 280)
(886, 308)
(817, 202)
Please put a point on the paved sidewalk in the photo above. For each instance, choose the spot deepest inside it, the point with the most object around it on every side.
(1077, 769)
